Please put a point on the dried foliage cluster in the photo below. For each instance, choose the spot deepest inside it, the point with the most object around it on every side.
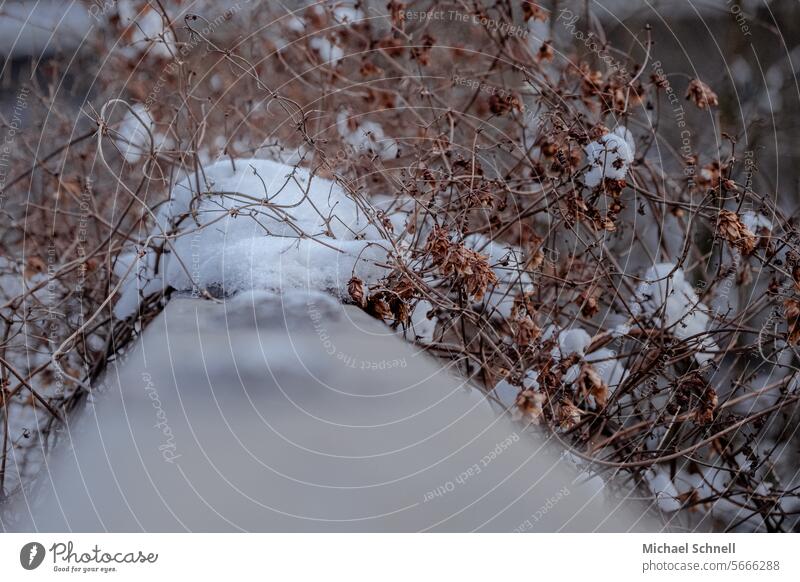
(634, 297)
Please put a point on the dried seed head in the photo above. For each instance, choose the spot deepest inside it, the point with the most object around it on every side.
(591, 384)
(701, 94)
(454, 259)
(531, 10)
(355, 287)
(568, 415)
(529, 406)
(732, 229)
(704, 413)
(527, 332)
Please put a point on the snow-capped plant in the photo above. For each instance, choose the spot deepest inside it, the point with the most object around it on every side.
(610, 156)
(258, 224)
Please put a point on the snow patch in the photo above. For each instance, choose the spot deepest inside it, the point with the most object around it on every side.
(421, 326)
(755, 221)
(365, 136)
(610, 156)
(683, 313)
(508, 265)
(328, 50)
(572, 341)
(664, 490)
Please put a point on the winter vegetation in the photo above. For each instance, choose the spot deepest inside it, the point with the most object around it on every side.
(597, 233)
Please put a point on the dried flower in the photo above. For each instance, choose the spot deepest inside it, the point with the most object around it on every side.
(588, 304)
(704, 413)
(378, 307)
(503, 102)
(355, 287)
(454, 259)
(397, 10)
(732, 229)
(568, 415)
(529, 406)
(527, 332)
(423, 53)
(791, 309)
(531, 10)
(592, 385)
(701, 94)
(394, 47)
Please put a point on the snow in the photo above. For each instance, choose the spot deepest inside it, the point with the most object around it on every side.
(508, 264)
(538, 34)
(135, 133)
(294, 23)
(664, 490)
(611, 371)
(11, 279)
(683, 313)
(139, 269)
(346, 13)
(576, 342)
(572, 341)
(328, 50)
(421, 326)
(264, 226)
(402, 212)
(610, 156)
(149, 33)
(506, 393)
(37, 29)
(755, 221)
(366, 136)
(586, 478)
(530, 381)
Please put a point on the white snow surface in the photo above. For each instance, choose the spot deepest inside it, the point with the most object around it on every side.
(264, 225)
(611, 370)
(346, 12)
(149, 32)
(538, 33)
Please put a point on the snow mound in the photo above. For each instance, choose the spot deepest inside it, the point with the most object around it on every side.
(148, 32)
(538, 33)
(258, 225)
(683, 313)
(611, 370)
(610, 156)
